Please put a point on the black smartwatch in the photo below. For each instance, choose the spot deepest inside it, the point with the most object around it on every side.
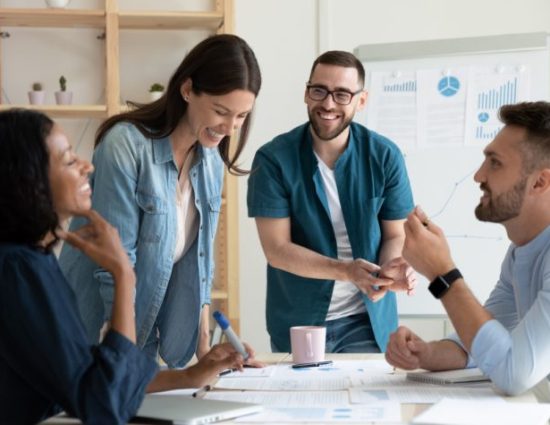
(441, 284)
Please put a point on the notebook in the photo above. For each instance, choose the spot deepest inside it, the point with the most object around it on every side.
(457, 376)
(184, 410)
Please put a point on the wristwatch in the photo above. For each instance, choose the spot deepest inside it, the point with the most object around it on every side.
(441, 284)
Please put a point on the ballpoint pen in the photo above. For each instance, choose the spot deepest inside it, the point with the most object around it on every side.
(312, 364)
(202, 391)
(226, 372)
(230, 334)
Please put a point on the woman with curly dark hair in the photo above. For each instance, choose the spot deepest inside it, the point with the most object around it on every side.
(46, 363)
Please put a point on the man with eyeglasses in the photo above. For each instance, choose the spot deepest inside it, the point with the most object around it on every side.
(330, 198)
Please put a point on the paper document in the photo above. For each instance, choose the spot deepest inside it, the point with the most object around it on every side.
(379, 413)
(421, 394)
(251, 372)
(281, 384)
(468, 412)
(284, 398)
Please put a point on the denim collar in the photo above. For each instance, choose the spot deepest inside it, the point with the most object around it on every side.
(162, 151)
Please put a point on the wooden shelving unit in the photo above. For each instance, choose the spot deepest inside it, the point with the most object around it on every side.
(112, 21)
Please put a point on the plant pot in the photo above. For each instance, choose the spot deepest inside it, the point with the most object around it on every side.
(57, 4)
(63, 97)
(37, 97)
(155, 95)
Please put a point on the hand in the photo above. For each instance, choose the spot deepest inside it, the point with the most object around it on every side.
(203, 347)
(360, 271)
(425, 247)
(402, 274)
(99, 241)
(406, 350)
(220, 357)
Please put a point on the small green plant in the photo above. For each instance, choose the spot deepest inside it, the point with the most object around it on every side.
(63, 83)
(156, 87)
(37, 86)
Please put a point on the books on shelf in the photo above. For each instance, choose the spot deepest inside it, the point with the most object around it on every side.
(457, 376)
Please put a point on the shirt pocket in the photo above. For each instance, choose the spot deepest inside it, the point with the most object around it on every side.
(153, 212)
(214, 208)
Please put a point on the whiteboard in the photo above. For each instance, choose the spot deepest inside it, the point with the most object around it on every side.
(442, 175)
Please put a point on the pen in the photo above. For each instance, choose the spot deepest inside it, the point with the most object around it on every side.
(202, 391)
(314, 364)
(226, 372)
(230, 334)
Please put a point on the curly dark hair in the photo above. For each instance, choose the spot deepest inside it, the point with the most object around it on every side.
(26, 208)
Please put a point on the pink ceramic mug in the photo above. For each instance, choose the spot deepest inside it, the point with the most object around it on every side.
(308, 343)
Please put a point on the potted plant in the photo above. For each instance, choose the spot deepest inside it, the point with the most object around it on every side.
(63, 97)
(37, 94)
(155, 91)
(57, 4)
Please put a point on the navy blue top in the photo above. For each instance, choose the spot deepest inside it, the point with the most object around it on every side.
(372, 186)
(46, 363)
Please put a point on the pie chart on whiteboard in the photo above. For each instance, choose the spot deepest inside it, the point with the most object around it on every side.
(448, 86)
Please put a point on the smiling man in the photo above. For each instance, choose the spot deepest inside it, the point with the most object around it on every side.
(508, 337)
(330, 198)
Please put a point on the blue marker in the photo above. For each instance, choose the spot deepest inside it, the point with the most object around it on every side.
(230, 334)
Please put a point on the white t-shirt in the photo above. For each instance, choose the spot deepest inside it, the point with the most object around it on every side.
(187, 213)
(346, 298)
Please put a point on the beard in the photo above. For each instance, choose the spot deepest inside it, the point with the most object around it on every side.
(503, 207)
(327, 135)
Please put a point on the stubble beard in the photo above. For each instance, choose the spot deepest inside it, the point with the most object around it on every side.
(505, 206)
(327, 136)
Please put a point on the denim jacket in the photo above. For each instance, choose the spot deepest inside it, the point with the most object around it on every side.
(134, 188)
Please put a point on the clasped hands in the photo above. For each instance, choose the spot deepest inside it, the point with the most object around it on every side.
(375, 281)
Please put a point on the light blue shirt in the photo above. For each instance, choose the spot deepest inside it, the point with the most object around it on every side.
(513, 349)
(134, 188)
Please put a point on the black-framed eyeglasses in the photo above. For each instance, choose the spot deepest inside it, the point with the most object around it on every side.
(319, 93)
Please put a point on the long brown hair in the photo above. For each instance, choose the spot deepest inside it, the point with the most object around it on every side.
(217, 65)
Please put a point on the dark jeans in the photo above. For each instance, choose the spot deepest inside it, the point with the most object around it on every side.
(351, 334)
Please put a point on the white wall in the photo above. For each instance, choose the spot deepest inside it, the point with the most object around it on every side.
(285, 38)
(286, 35)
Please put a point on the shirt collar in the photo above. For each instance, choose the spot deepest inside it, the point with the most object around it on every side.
(343, 158)
(162, 152)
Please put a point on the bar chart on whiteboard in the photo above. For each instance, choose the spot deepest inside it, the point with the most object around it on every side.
(442, 112)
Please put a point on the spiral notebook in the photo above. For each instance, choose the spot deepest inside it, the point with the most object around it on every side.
(457, 376)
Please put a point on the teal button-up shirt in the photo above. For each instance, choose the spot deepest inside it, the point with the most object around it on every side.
(285, 182)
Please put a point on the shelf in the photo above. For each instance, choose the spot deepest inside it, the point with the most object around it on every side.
(52, 18)
(170, 20)
(65, 111)
(219, 295)
(74, 18)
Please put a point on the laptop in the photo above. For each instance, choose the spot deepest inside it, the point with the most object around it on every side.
(184, 410)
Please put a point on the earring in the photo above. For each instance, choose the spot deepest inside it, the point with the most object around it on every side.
(186, 98)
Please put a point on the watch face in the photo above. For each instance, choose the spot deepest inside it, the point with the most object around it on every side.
(438, 287)
(441, 284)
